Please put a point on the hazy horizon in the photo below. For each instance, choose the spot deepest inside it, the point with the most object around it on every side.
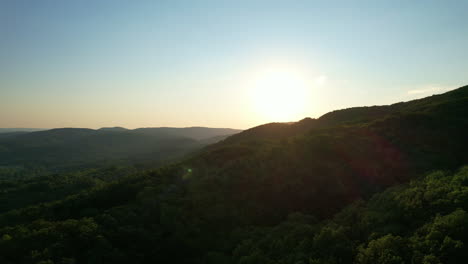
(421, 95)
(96, 128)
(96, 64)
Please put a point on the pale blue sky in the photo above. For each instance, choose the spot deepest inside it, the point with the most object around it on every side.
(185, 63)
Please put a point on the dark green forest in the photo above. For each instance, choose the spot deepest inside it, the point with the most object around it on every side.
(379, 184)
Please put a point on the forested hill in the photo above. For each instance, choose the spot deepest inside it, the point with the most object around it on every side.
(319, 165)
(66, 149)
(446, 104)
(381, 184)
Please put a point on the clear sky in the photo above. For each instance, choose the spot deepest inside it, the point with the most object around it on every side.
(186, 63)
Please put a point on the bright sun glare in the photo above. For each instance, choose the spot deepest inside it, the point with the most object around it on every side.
(280, 95)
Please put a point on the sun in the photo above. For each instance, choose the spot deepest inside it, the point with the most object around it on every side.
(280, 95)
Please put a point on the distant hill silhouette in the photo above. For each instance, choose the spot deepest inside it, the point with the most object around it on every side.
(197, 133)
(74, 147)
(113, 129)
(12, 130)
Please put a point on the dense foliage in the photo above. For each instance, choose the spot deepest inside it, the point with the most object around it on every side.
(361, 185)
(145, 218)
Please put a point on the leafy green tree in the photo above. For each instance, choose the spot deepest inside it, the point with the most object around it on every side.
(388, 249)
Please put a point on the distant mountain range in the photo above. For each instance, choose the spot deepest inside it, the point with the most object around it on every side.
(10, 130)
(64, 148)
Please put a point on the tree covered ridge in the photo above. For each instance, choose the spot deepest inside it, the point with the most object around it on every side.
(321, 169)
(452, 102)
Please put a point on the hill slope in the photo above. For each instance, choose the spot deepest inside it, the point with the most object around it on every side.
(317, 166)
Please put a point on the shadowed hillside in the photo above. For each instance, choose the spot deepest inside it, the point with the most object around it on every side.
(319, 165)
